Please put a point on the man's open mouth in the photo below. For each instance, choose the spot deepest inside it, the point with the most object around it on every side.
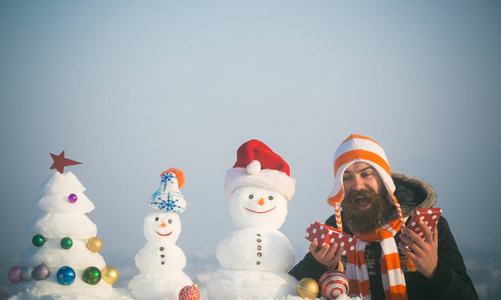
(363, 202)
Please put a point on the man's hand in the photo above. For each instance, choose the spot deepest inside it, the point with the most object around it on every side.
(327, 256)
(423, 253)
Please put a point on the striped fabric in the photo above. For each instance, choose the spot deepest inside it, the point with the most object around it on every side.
(391, 271)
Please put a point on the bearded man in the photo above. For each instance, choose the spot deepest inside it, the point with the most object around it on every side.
(375, 204)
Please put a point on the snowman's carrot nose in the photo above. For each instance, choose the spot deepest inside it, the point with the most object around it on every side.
(261, 201)
(164, 224)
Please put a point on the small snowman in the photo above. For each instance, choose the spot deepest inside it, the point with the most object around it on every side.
(255, 258)
(161, 261)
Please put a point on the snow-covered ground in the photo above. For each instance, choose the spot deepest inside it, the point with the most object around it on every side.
(200, 266)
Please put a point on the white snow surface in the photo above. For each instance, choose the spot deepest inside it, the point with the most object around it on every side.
(60, 225)
(61, 183)
(59, 202)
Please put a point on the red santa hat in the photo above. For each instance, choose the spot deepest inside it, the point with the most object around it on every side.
(257, 165)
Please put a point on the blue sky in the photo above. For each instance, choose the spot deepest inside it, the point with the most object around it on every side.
(132, 88)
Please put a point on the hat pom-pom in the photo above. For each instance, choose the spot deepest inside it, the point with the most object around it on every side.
(179, 175)
(254, 167)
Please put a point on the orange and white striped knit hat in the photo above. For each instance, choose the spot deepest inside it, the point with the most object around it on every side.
(358, 148)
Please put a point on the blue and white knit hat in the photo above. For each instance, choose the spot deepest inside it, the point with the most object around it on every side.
(168, 198)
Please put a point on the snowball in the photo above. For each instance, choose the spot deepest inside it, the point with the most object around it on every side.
(245, 210)
(162, 227)
(243, 249)
(149, 259)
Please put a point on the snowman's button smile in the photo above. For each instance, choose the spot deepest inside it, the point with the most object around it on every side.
(259, 212)
(167, 234)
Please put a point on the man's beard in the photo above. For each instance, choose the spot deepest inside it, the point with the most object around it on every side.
(368, 220)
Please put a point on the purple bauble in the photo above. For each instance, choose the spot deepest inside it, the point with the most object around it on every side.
(15, 274)
(72, 198)
(41, 272)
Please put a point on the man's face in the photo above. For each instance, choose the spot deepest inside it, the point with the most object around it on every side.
(365, 204)
(361, 176)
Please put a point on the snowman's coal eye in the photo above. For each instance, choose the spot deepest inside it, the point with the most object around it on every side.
(251, 196)
(270, 197)
(156, 219)
(169, 221)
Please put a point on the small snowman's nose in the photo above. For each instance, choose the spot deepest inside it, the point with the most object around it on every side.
(261, 201)
(164, 224)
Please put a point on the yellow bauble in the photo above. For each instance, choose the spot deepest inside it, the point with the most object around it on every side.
(95, 244)
(110, 275)
(307, 288)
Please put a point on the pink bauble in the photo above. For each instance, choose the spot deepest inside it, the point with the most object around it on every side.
(334, 284)
(189, 292)
(15, 274)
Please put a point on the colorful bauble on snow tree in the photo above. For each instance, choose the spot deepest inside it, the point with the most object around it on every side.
(110, 275)
(66, 243)
(91, 275)
(15, 274)
(38, 240)
(66, 275)
(27, 273)
(95, 244)
(41, 272)
(72, 198)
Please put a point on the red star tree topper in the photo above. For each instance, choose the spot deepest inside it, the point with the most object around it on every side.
(60, 162)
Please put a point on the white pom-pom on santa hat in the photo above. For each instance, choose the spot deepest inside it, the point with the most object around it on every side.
(254, 167)
(257, 165)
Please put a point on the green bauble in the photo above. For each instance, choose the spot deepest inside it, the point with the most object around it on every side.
(66, 243)
(38, 240)
(91, 275)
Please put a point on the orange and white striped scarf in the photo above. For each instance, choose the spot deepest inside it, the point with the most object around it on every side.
(391, 271)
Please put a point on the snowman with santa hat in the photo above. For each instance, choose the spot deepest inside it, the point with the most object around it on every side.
(161, 261)
(254, 259)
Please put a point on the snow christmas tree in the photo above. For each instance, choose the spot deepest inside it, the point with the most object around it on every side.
(63, 261)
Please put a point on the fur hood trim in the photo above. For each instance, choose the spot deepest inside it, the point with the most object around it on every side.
(413, 193)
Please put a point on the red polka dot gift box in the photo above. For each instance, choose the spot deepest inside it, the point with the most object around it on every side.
(325, 234)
